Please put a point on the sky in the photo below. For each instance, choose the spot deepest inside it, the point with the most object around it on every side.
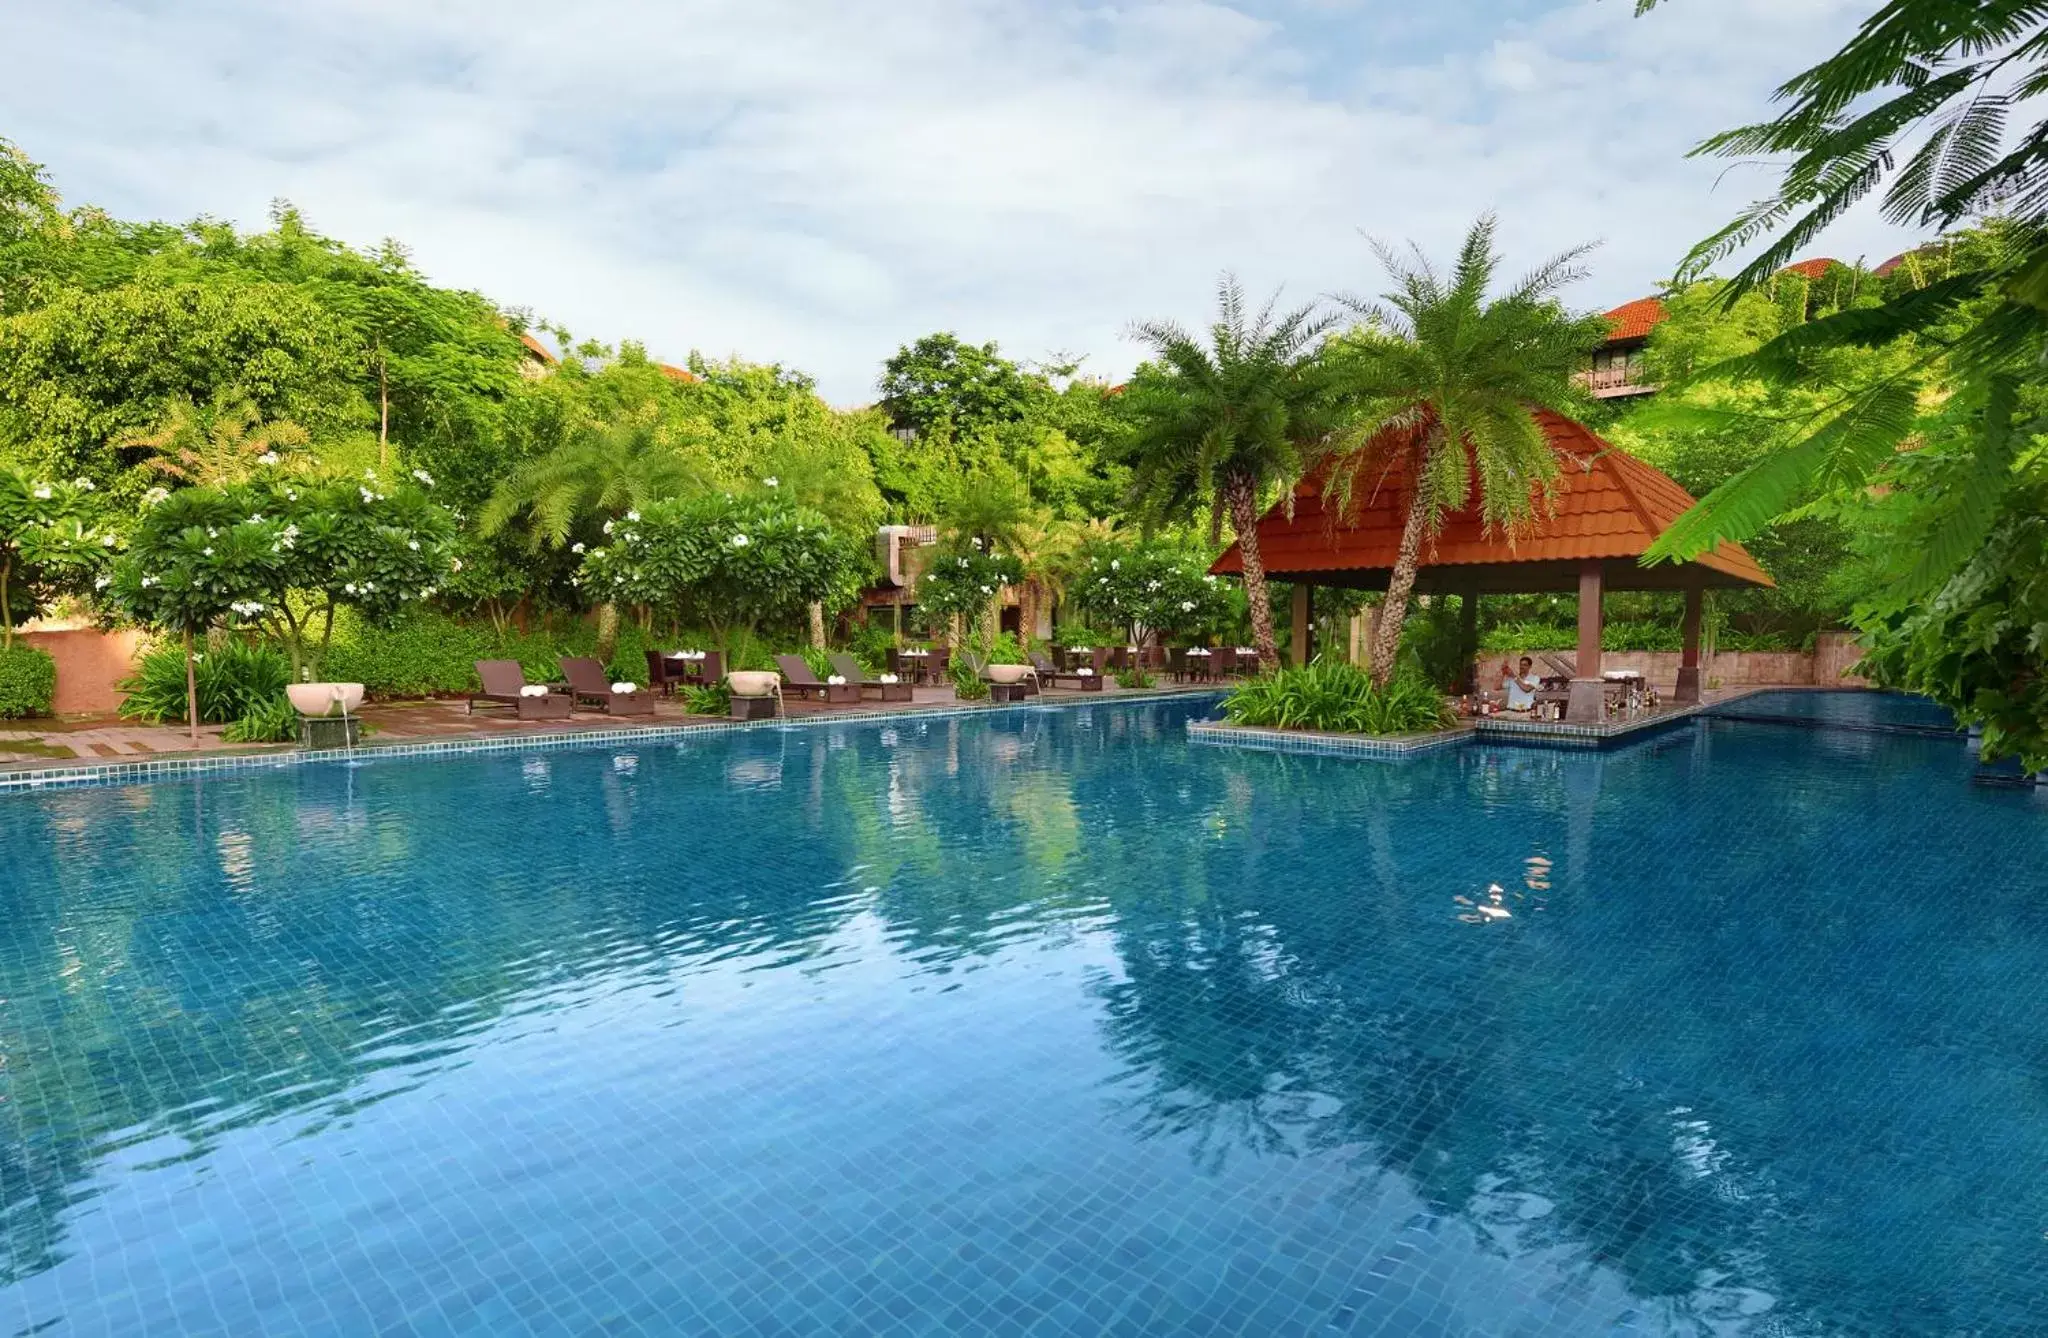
(817, 182)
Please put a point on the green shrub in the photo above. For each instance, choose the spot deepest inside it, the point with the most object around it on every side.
(1133, 677)
(233, 680)
(1338, 697)
(28, 682)
(274, 721)
(708, 699)
(968, 684)
(1007, 650)
(871, 644)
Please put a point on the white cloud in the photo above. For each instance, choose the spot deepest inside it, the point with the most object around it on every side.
(819, 182)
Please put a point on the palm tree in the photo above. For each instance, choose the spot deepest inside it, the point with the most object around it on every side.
(1217, 425)
(991, 509)
(1441, 382)
(1050, 550)
(602, 472)
(217, 447)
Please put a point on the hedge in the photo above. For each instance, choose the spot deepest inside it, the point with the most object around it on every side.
(28, 682)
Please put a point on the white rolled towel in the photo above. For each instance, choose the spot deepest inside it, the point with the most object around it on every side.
(836, 680)
(887, 678)
(1083, 673)
(533, 690)
(625, 689)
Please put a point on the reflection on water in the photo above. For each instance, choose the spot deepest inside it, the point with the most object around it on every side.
(1041, 1022)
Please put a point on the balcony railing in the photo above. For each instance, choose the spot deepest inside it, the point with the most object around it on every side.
(1615, 381)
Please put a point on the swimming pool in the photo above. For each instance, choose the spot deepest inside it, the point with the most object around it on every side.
(1840, 708)
(1032, 1022)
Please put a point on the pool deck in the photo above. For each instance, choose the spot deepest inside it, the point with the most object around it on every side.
(40, 753)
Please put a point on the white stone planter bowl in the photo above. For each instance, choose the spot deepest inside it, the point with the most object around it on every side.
(1008, 673)
(753, 682)
(322, 699)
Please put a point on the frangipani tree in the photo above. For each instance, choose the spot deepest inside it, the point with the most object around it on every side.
(48, 544)
(733, 562)
(1156, 588)
(192, 562)
(283, 554)
(964, 581)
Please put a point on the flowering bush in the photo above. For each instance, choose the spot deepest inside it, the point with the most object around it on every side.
(285, 555)
(728, 563)
(48, 544)
(965, 581)
(1157, 588)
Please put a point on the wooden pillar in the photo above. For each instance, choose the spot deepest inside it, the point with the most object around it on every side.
(1304, 616)
(1588, 703)
(1688, 689)
(1468, 639)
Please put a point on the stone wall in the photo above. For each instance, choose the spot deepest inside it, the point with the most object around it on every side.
(1827, 665)
(89, 663)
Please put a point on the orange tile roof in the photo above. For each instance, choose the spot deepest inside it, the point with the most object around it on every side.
(1635, 320)
(675, 373)
(1607, 505)
(535, 347)
(1809, 269)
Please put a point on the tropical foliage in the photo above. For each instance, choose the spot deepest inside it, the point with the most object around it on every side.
(28, 682)
(726, 563)
(1333, 696)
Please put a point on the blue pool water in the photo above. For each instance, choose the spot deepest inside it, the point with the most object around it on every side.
(1036, 1022)
(1840, 709)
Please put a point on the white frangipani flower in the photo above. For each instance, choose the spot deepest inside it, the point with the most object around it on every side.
(426, 479)
(576, 547)
(740, 541)
(771, 482)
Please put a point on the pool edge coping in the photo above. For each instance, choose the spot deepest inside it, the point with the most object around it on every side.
(86, 775)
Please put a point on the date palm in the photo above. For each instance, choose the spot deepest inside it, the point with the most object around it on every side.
(1218, 423)
(1440, 380)
(600, 473)
(217, 447)
(603, 472)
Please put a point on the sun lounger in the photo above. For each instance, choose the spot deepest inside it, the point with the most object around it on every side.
(504, 685)
(587, 686)
(798, 678)
(1073, 678)
(850, 670)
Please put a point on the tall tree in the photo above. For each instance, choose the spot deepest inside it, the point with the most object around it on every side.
(603, 473)
(1442, 378)
(1214, 425)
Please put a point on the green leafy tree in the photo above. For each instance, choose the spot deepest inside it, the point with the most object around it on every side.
(48, 544)
(1155, 588)
(89, 369)
(939, 380)
(730, 563)
(1918, 107)
(964, 582)
(1215, 425)
(1442, 377)
(193, 558)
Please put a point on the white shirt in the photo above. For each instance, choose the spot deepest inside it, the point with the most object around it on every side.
(1519, 698)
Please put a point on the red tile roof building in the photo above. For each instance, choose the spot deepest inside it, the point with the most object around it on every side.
(1607, 507)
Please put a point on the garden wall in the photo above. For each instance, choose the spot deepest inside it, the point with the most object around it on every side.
(89, 663)
(1827, 665)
